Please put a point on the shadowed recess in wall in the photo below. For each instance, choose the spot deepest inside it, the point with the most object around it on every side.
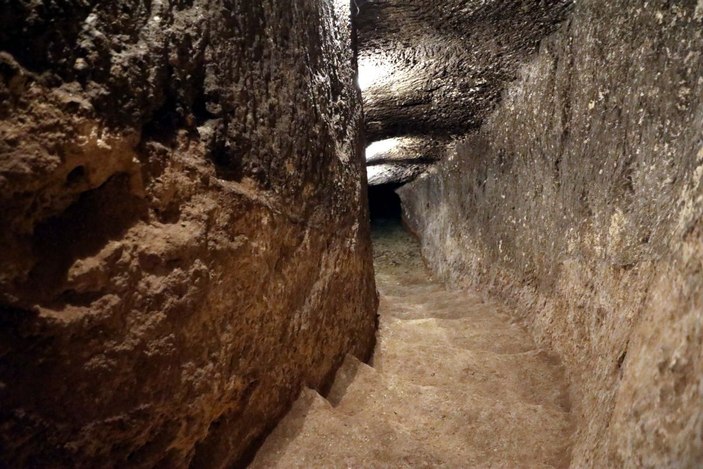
(85, 227)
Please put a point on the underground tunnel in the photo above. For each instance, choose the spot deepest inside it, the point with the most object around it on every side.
(384, 204)
(351, 233)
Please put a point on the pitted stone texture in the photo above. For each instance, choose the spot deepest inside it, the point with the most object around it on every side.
(581, 201)
(184, 233)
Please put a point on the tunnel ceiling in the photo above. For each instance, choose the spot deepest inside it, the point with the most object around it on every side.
(431, 71)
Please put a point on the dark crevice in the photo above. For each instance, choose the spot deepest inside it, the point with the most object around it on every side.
(228, 158)
(164, 123)
(76, 176)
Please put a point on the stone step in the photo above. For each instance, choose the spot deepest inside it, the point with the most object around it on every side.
(464, 333)
(529, 375)
(455, 383)
(384, 421)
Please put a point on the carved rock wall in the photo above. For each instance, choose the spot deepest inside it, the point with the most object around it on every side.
(581, 201)
(184, 233)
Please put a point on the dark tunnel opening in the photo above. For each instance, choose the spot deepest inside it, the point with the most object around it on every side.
(384, 204)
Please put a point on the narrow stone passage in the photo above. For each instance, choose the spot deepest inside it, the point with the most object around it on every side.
(453, 383)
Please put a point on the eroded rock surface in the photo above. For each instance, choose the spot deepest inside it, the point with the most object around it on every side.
(581, 201)
(184, 233)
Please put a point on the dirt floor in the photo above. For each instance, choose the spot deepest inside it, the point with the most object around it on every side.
(453, 383)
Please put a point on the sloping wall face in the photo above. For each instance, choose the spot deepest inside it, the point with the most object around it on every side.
(580, 201)
(184, 233)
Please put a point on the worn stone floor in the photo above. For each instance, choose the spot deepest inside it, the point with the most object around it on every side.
(453, 383)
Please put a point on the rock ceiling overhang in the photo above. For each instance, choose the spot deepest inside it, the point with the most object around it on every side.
(431, 71)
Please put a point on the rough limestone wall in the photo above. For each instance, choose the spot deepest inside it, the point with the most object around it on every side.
(184, 233)
(581, 201)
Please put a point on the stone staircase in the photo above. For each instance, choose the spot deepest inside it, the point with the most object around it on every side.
(454, 383)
